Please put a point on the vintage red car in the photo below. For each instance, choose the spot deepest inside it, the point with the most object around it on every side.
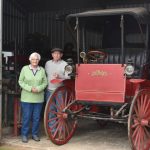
(110, 81)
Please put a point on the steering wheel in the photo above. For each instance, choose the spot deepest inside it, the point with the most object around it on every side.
(96, 56)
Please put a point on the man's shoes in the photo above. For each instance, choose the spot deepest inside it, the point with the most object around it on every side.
(36, 138)
(24, 139)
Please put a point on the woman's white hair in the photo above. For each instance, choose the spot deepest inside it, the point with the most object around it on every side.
(35, 55)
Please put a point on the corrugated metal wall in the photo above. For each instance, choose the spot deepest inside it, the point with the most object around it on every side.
(46, 23)
(18, 24)
(50, 25)
(14, 20)
(146, 5)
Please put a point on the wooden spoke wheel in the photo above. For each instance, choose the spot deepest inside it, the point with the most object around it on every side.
(59, 124)
(139, 121)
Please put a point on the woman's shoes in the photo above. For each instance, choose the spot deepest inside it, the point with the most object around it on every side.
(24, 139)
(36, 138)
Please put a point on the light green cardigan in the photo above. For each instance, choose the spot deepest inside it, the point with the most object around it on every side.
(27, 80)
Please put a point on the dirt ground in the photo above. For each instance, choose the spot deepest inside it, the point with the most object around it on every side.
(89, 136)
(10, 147)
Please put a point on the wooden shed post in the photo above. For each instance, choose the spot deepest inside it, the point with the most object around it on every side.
(1, 16)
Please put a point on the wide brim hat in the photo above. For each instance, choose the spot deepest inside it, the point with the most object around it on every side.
(57, 49)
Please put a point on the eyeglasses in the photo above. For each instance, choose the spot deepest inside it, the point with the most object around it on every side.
(35, 59)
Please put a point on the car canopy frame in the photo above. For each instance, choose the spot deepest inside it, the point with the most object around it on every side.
(139, 13)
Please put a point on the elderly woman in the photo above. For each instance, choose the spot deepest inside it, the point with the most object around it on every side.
(33, 81)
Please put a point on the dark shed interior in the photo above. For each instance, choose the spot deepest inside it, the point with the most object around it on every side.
(39, 25)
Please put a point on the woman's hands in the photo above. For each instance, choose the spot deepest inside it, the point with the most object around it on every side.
(34, 90)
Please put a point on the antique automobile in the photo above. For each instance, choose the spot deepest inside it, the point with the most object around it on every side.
(110, 81)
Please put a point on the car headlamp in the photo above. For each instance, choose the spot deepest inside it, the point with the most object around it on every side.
(83, 55)
(68, 69)
(129, 70)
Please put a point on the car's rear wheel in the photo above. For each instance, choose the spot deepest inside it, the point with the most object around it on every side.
(139, 121)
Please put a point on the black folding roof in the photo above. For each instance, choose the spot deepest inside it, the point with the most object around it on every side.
(139, 13)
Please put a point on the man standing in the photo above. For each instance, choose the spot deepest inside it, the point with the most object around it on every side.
(55, 69)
